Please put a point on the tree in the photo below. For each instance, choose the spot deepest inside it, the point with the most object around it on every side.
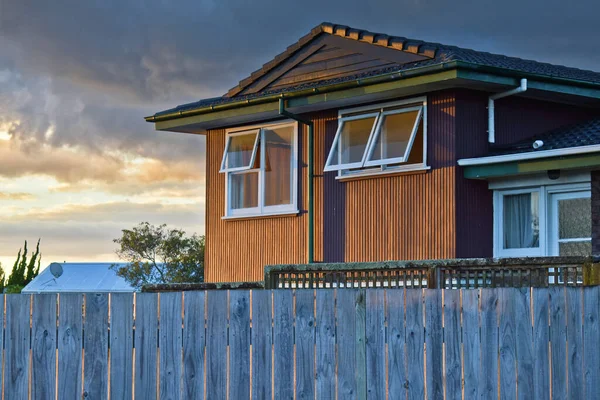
(155, 254)
(23, 271)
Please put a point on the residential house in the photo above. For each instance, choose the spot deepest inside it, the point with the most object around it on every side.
(358, 146)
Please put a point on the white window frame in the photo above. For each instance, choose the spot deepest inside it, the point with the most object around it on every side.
(261, 209)
(228, 138)
(499, 250)
(545, 190)
(332, 154)
(383, 166)
(375, 135)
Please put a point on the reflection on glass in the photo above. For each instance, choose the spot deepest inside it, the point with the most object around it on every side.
(394, 135)
(244, 190)
(239, 152)
(278, 165)
(574, 218)
(352, 142)
(521, 221)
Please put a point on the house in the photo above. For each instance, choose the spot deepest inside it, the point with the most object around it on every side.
(358, 146)
(77, 278)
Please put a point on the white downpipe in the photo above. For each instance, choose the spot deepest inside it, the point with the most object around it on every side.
(491, 124)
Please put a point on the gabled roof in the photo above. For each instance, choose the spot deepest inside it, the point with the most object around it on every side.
(421, 56)
(582, 134)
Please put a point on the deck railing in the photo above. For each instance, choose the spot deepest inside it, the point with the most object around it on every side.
(466, 273)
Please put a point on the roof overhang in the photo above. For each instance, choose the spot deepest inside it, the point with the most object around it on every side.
(381, 87)
(584, 157)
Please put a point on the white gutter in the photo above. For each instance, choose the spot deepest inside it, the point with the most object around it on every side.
(529, 156)
(491, 124)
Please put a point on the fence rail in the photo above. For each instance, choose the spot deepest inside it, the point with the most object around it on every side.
(325, 344)
(463, 273)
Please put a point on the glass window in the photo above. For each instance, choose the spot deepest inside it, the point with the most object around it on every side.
(521, 221)
(240, 151)
(244, 190)
(382, 137)
(394, 137)
(279, 147)
(574, 226)
(351, 142)
(261, 170)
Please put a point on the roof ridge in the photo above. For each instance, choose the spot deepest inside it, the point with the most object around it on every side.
(414, 46)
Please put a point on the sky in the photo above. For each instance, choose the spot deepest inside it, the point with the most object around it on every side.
(78, 163)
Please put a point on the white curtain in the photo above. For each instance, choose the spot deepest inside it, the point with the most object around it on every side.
(521, 229)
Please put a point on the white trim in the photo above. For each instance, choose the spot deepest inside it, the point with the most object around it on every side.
(379, 167)
(386, 171)
(258, 215)
(499, 250)
(228, 143)
(263, 210)
(553, 199)
(380, 106)
(371, 148)
(336, 142)
(566, 177)
(546, 223)
(529, 155)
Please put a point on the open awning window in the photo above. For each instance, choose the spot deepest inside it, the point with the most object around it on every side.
(374, 138)
(240, 151)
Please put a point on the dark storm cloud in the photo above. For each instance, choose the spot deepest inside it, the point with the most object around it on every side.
(93, 69)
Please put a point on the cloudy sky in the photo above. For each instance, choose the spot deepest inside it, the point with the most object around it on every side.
(77, 161)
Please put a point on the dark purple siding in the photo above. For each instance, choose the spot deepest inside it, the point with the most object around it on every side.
(474, 205)
(519, 118)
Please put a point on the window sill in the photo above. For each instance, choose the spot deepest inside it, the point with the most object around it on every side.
(260, 216)
(382, 174)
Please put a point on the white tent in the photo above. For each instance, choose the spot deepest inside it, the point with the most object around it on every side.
(79, 278)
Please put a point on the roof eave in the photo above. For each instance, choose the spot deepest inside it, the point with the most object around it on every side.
(388, 77)
(470, 71)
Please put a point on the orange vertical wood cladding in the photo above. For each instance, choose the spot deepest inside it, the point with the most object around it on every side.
(405, 217)
(238, 250)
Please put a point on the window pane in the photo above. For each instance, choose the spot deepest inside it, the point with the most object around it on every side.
(394, 135)
(239, 152)
(521, 221)
(574, 218)
(278, 165)
(352, 141)
(575, 248)
(244, 190)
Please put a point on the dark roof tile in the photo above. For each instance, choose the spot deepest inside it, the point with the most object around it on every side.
(437, 53)
(582, 134)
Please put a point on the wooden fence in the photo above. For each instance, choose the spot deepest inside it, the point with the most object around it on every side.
(304, 344)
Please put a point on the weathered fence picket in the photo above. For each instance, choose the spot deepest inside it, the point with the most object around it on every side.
(239, 345)
(396, 336)
(216, 346)
(16, 347)
(541, 337)
(43, 346)
(170, 346)
(305, 344)
(194, 337)
(341, 344)
(70, 342)
(146, 325)
(262, 339)
(95, 360)
(121, 345)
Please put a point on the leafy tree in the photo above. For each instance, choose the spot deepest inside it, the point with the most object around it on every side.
(23, 270)
(155, 254)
